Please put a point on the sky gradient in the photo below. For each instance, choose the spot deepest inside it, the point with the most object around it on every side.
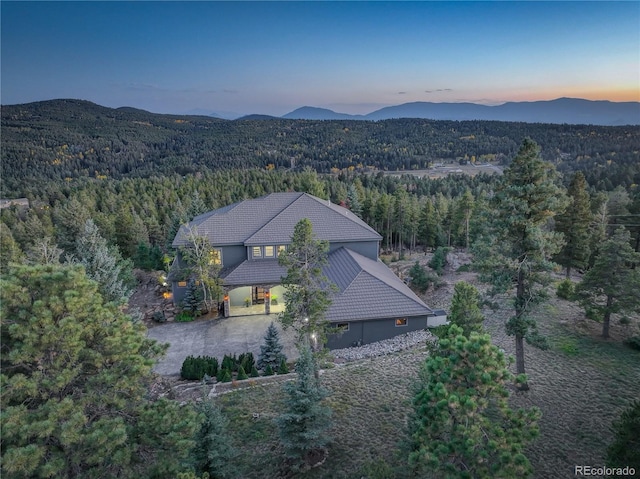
(237, 58)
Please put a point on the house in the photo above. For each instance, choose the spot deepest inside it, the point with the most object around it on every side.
(370, 304)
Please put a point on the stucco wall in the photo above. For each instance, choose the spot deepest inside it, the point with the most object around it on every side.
(374, 330)
(233, 255)
(365, 248)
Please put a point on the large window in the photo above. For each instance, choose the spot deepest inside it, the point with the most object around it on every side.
(266, 252)
(215, 256)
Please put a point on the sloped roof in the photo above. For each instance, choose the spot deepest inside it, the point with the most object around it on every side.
(367, 289)
(264, 271)
(271, 219)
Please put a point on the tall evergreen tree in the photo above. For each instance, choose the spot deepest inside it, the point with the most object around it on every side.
(574, 225)
(465, 311)
(304, 423)
(75, 377)
(353, 200)
(101, 264)
(213, 451)
(612, 285)
(521, 243)
(10, 252)
(271, 351)
(307, 289)
(462, 216)
(463, 426)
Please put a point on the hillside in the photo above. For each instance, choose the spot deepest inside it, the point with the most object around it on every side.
(62, 140)
(559, 111)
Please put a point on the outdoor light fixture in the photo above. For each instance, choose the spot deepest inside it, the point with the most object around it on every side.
(306, 320)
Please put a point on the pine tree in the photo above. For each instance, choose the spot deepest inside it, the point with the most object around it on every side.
(429, 227)
(574, 225)
(213, 453)
(271, 351)
(191, 301)
(463, 426)
(465, 311)
(75, 372)
(307, 289)
(625, 449)
(520, 246)
(304, 424)
(439, 260)
(462, 216)
(353, 201)
(9, 250)
(612, 285)
(101, 264)
(420, 281)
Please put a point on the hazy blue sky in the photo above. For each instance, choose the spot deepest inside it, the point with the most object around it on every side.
(353, 57)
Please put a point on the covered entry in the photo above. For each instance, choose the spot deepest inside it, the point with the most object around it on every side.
(255, 299)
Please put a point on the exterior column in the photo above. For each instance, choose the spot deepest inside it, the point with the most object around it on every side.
(267, 301)
(226, 305)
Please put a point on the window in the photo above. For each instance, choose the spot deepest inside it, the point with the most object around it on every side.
(182, 284)
(401, 322)
(215, 256)
(257, 251)
(342, 326)
(281, 248)
(268, 251)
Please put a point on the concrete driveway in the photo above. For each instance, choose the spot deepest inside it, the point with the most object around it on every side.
(215, 337)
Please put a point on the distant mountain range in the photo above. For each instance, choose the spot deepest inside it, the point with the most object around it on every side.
(562, 110)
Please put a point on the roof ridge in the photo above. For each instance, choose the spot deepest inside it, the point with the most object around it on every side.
(397, 286)
(275, 216)
(354, 218)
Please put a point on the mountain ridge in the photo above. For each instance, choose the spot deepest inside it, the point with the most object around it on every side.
(563, 110)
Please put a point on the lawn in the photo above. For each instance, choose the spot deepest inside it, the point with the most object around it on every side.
(581, 384)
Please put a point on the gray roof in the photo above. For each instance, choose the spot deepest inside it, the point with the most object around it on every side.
(270, 219)
(263, 271)
(367, 289)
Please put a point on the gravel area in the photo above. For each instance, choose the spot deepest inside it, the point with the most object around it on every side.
(387, 346)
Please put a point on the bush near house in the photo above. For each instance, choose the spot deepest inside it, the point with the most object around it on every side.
(197, 367)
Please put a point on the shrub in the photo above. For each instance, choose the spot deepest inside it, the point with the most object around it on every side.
(283, 369)
(184, 317)
(254, 372)
(566, 289)
(439, 259)
(229, 362)
(159, 317)
(268, 370)
(197, 368)
(241, 374)
(247, 361)
(633, 342)
(224, 376)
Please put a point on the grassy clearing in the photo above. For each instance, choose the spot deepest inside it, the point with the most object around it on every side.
(581, 384)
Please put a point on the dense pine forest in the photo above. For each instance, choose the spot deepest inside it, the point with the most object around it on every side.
(109, 188)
